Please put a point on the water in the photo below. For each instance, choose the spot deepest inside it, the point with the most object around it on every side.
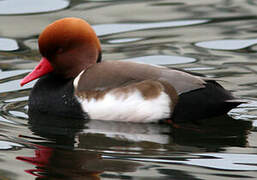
(215, 38)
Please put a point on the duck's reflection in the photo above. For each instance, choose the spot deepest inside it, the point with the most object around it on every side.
(214, 134)
(73, 146)
(60, 158)
(207, 135)
(56, 163)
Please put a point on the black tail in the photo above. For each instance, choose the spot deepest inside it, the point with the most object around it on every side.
(213, 100)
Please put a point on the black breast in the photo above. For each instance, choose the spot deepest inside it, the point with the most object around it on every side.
(54, 95)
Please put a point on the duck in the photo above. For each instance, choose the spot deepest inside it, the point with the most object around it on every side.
(75, 82)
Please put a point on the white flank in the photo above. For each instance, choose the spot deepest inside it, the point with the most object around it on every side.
(130, 107)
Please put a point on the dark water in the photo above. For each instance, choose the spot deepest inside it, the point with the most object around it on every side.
(216, 38)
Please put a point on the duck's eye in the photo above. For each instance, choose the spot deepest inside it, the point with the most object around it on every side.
(59, 50)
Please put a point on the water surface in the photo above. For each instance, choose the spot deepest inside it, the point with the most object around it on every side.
(214, 38)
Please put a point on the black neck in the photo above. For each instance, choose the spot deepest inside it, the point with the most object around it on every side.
(54, 95)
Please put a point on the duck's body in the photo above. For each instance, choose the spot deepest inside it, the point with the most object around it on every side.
(80, 84)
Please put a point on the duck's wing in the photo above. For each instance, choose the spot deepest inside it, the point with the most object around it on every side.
(113, 74)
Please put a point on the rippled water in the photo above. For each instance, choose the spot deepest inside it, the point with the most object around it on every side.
(216, 38)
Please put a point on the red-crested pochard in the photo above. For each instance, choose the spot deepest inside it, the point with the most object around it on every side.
(74, 82)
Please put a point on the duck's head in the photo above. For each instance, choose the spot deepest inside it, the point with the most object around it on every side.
(67, 46)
